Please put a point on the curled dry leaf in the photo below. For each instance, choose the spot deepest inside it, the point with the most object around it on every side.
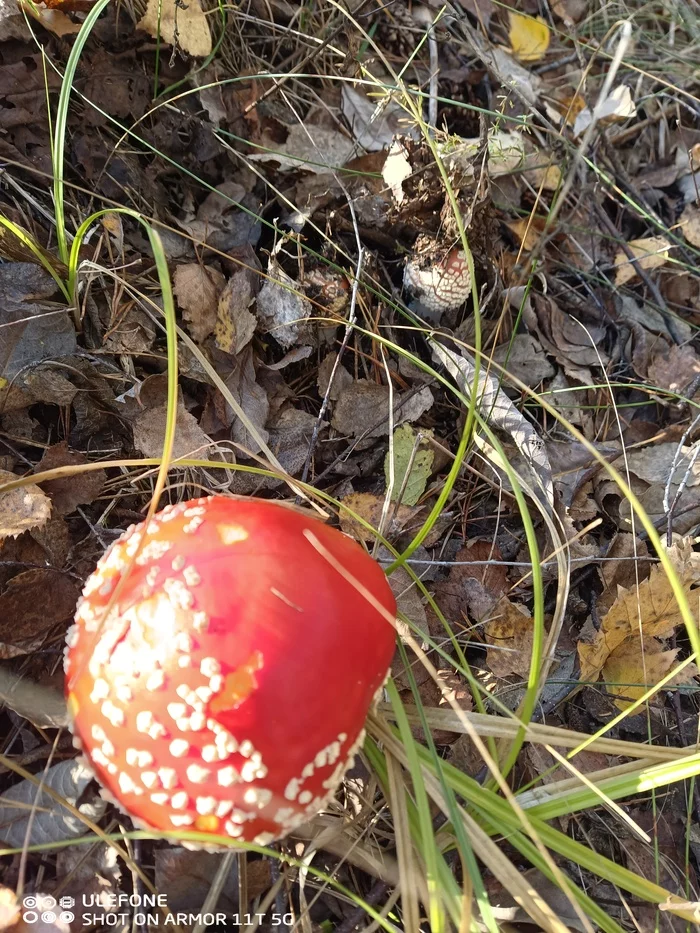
(181, 24)
(689, 222)
(21, 509)
(650, 252)
(510, 635)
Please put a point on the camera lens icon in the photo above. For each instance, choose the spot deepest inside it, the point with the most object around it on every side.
(48, 916)
(66, 916)
(29, 902)
(48, 902)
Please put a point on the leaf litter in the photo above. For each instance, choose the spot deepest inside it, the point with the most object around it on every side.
(326, 304)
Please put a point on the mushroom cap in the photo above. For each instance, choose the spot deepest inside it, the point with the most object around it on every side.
(227, 690)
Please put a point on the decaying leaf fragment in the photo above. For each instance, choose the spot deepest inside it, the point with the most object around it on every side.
(21, 509)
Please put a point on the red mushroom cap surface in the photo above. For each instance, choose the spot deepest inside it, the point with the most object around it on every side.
(227, 690)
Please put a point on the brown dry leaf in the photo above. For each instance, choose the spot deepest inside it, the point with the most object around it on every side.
(235, 325)
(197, 289)
(21, 509)
(629, 672)
(72, 491)
(528, 36)
(651, 252)
(54, 20)
(180, 24)
(650, 609)
(369, 507)
(524, 358)
(674, 368)
(149, 433)
(511, 633)
(28, 616)
(472, 588)
(689, 223)
(575, 347)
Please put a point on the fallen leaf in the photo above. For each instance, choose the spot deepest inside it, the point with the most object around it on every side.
(149, 432)
(650, 252)
(68, 493)
(618, 105)
(341, 379)
(412, 465)
(510, 632)
(197, 289)
(524, 357)
(32, 330)
(528, 230)
(281, 307)
(183, 25)
(654, 463)
(528, 36)
(376, 120)
(28, 616)
(311, 149)
(629, 672)
(650, 610)
(370, 507)
(471, 586)
(689, 222)
(235, 325)
(674, 368)
(506, 153)
(23, 508)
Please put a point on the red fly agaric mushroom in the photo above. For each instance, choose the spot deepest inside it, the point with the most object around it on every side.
(226, 690)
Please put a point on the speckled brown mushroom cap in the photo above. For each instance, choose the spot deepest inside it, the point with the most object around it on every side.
(227, 690)
(439, 286)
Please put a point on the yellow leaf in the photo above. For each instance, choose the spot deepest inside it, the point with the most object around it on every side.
(650, 253)
(511, 633)
(528, 36)
(650, 609)
(181, 24)
(628, 673)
